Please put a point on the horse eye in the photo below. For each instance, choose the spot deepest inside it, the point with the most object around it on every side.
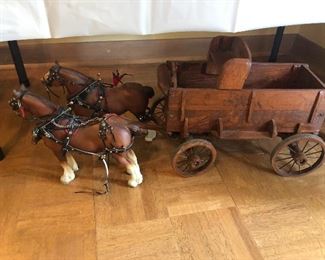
(14, 104)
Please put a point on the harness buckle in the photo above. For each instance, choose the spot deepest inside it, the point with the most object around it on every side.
(36, 135)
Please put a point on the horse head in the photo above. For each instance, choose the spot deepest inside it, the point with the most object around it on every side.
(24, 102)
(53, 75)
(65, 77)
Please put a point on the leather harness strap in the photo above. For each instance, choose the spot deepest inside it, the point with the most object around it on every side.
(79, 98)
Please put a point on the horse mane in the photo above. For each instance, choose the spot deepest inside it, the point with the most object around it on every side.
(75, 75)
(44, 100)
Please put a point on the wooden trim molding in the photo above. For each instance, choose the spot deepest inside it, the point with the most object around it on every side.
(134, 52)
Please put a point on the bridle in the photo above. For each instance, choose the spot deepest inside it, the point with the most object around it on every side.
(54, 74)
(15, 103)
(18, 108)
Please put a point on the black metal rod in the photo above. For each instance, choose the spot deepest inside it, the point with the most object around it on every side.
(276, 44)
(2, 155)
(19, 64)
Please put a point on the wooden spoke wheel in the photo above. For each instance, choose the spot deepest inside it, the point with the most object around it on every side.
(158, 111)
(194, 157)
(2, 155)
(298, 155)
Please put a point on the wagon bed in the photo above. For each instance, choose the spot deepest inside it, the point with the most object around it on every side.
(275, 98)
(232, 97)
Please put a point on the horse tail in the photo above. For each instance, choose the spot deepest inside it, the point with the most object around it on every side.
(150, 134)
(137, 130)
(148, 91)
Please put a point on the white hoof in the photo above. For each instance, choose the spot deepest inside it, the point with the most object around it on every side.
(139, 179)
(151, 135)
(66, 179)
(133, 183)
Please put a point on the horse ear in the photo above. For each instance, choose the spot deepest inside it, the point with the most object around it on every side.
(16, 93)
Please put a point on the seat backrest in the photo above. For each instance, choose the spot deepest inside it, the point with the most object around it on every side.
(240, 49)
(234, 74)
(224, 48)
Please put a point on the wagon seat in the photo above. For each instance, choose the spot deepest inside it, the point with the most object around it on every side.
(227, 66)
(224, 48)
(229, 59)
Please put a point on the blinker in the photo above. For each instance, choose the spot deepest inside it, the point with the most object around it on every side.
(14, 103)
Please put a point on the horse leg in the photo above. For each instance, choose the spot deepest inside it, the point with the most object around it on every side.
(129, 160)
(71, 161)
(134, 169)
(68, 173)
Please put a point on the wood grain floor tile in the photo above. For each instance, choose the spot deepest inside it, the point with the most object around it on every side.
(145, 240)
(239, 209)
(197, 198)
(128, 205)
(42, 219)
(217, 234)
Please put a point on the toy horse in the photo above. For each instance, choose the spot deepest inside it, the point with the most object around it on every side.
(63, 132)
(90, 97)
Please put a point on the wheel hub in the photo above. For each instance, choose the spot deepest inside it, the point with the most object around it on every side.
(300, 158)
(196, 161)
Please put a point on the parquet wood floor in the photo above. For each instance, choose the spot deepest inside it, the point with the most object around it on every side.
(237, 210)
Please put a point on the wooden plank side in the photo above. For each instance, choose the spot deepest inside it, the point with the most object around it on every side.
(209, 99)
(261, 74)
(266, 99)
(308, 79)
(316, 110)
(287, 108)
(204, 121)
(203, 108)
(286, 100)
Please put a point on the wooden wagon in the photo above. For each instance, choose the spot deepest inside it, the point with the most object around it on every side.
(235, 98)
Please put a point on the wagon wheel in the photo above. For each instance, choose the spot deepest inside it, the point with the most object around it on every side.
(194, 157)
(298, 155)
(158, 111)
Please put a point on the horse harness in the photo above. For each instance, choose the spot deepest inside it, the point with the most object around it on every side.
(52, 123)
(49, 124)
(97, 107)
(80, 97)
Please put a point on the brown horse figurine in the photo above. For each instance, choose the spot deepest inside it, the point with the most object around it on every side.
(62, 132)
(92, 97)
